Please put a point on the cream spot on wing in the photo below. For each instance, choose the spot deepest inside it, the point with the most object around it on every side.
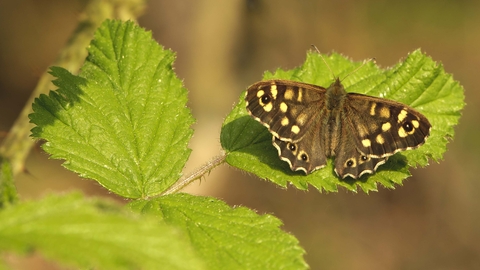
(268, 107)
(415, 123)
(283, 107)
(386, 126)
(260, 93)
(379, 139)
(300, 97)
(366, 142)
(402, 133)
(385, 112)
(372, 108)
(295, 129)
(284, 121)
(289, 94)
(274, 91)
(402, 115)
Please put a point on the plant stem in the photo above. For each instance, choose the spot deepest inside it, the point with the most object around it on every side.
(8, 192)
(197, 174)
(16, 146)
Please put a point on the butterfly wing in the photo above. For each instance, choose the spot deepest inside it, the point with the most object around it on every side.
(286, 108)
(291, 111)
(374, 129)
(307, 154)
(350, 160)
(384, 127)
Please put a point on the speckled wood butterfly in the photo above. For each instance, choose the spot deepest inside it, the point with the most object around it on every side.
(310, 124)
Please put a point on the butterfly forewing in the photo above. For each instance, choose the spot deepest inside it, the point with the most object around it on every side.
(384, 127)
(286, 108)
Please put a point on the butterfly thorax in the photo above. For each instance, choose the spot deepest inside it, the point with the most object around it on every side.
(335, 96)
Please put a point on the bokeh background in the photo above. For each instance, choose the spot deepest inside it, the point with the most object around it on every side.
(431, 222)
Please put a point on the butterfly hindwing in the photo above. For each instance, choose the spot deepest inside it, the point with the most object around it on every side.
(351, 160)
(306, 155)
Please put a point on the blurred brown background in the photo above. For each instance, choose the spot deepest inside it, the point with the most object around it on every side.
(432, 222)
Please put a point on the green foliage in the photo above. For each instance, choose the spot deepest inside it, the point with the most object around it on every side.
(94, 234)
(123, 120)
(417, 81)
(228, 238)
(123, 123)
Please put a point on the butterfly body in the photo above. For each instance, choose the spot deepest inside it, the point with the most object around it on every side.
(309, 124)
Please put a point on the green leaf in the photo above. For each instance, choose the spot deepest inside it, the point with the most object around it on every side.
(94, 234)
(123, 120)
(228, 238)
(417, 81)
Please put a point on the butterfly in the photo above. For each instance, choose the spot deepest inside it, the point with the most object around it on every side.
(310, 123)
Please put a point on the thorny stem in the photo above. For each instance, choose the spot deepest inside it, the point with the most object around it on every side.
(197, 174)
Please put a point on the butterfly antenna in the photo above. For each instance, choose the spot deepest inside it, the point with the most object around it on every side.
(353, 71)
(359, 67)
(325, 61)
